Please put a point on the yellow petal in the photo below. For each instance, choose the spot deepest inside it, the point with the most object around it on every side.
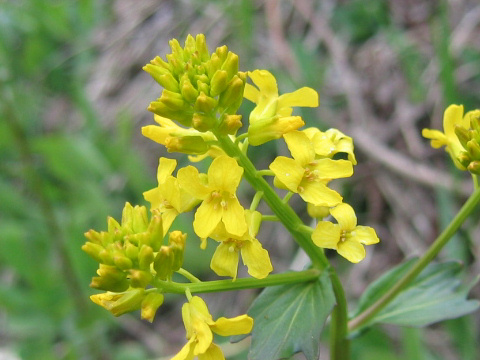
(189, 180)
(346, 146)
(165, 122)
(365, 235)
(200, 308)
(204, 336)
(165, 169)
(207, 217)
(452, 116)
(306, 97)
(154, 197)
(319, 194)
(300, 147)
(225, 260)
(326, 235)
(171, 192)
(156, 133)
(233, 217)
(251, 93)
(345, 216)
(288, 171)
(332, 169)
(224, 174)
(265, 81)
(239, 325)
(214, 352)
(438, 138)
(186, 353)
(256, 258)
(168, 217)
(351, 250)
(468, 116)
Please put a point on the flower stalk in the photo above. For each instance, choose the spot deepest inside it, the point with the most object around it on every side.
(369, 313)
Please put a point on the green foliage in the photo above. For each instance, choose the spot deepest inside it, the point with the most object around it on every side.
(435, 295)
(289, 319)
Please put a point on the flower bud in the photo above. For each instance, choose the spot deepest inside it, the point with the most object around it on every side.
(162, 76)
(474, 167)
(218, 83)
(120, 303)
(318, 212)
(145, 257)
(139, 278)
(464, 159)
(205, 104)
(163, 262)
(131, 251)
(150, 305)
(265, 130)
(230, 65)
(194, 145)
(176, 242)
(122, 262)
(202, 122)
(93, 250)
(230, 124)
(188, 91)
(462, 135)
(473, 149)
(155, 231)
(159, 108)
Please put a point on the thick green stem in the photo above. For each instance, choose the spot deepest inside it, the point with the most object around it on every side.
(285, 213)
(238, 284)
(339, 344)
(364, 317)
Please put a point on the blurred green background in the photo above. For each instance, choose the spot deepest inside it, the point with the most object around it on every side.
(73, 99)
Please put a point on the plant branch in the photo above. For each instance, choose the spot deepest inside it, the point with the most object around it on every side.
(369, 313)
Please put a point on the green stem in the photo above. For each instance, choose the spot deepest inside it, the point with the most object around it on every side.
(364, 317)
(270, 218)
(475, 181)
(241, 137)
(339, 344)
(256, 200)
(285, 213)
(265, 172)
(287, 197)
(189, 276)
(238, 284)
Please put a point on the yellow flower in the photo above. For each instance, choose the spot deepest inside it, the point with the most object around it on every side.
(178, 139)
(200, 327)
(345, 237)
(255, 257)
(272, 118)
(218, 194)
(306, 175)
(331, 142)
(452, 117)
(168, 198)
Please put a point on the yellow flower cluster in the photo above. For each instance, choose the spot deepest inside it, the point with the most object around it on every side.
(461, 137)
(197, 115)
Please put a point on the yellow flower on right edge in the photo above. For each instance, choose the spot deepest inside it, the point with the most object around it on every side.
(455, 122)
(346, 237)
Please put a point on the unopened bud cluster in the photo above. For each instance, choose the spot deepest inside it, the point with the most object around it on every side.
(131, 256)
(470, 140)
(198, 85)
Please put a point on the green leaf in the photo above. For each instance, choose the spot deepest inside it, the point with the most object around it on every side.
(435, 295)
(382, 285)
(289, 319)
